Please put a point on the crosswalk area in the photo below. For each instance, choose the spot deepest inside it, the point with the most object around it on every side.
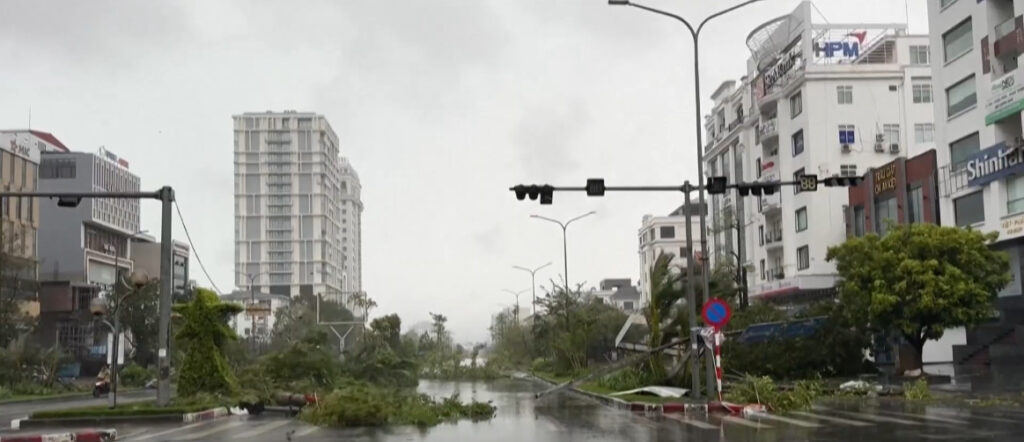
(233, 428)
(928, 423)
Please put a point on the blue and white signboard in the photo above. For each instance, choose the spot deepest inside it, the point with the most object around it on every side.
(994, 162)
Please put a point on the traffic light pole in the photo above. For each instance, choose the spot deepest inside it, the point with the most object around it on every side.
(691, 295)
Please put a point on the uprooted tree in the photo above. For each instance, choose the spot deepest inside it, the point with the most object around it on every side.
(918, 280)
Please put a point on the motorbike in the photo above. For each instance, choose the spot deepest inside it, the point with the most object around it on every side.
(100, 388)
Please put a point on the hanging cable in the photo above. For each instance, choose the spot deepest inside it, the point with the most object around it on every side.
(194, 251)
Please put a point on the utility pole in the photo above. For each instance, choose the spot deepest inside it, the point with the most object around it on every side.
(691, 295)
(533, 283)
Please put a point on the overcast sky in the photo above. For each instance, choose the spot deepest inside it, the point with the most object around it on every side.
(440, 105)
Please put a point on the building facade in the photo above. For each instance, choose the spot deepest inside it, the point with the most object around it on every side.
(351, 228)
(288, 205)
(257, 320)
(904, 191)
(20, 152)
(666, 235)
(819, 98)
(619, 293)
(145, 252)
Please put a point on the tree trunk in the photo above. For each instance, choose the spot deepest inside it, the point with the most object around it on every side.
(913, 361)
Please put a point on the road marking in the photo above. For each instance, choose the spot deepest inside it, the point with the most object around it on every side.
(744, 422)
(877, 418)
(929, 417)
(791, 421)
(262, 429)
(172, 430)
(696, 423)
(306, 431)
(977, 416)
(837, 420)
(215, 429)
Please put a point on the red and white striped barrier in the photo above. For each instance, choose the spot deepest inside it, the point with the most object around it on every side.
(718, 361)
(74, 436)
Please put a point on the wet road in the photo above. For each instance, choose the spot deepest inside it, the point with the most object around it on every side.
(566, 417)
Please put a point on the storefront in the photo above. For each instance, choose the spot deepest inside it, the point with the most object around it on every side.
(900, 192)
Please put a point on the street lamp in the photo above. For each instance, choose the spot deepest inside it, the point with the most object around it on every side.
(565, 247)
(695, 33)
(252, 304)
(533, 283)
(115, 329)
(516, 294)
(100, 308)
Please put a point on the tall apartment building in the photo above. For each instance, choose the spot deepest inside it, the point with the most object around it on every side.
(666, 235)
(288, 204)
(351, 228)
(818, 98)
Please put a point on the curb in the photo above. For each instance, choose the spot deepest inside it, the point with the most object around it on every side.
(64, 397)
(206, 415)
(187, 418)
(77, 436)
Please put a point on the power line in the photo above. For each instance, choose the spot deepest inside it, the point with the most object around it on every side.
(193, 246)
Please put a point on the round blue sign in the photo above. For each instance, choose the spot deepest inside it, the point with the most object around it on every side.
(716, 312)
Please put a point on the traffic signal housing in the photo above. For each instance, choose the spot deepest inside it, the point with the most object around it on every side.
(757, 189)
(843, 181)
(545, 192)
(716, 185)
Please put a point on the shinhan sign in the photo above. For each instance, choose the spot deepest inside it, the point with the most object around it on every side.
(847, 49)
(993, 163)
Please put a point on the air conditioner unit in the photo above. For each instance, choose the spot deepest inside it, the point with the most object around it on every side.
(879, 147)
(894, 148)
(879, 138)
(846, 148)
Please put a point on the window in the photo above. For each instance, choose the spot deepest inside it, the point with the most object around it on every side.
(796, 177)
(846, 134)
(969, 209)
(844, 94)
(924, 133)
(796, 105)
(1015, 195)
(957, 41)
(919, 54)
(801, 219)
(892, 133)
(667, 232)
(922, 93)
(858, 221)
(761, 266)
(915, 205)
(944, 3)
(886, 211)
(760, 235)
(798, 142)
(803, 258)
(961, 96)
(848, 170)
(683, 253)
(757, 166)
(961, 150)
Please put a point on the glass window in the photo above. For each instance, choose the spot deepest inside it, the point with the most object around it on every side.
(969, 209)
(957, 41)
(961, 96)
(848, 170)
(801, 219)
(844, 94)
(1015, 195)
(924, 132)
(892, 133)
(858, 221)
(922, 93)
(803, 258)
(961, 150)
(919, 54)
(761, 265)
(915, 205)
(796, 177)
(847, 134)
(796, 105)
(798, 142)
(760, 235)
(667, 232)
(885, 211)
(757, 166)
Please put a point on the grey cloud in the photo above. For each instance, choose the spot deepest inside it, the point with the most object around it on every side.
(546, 137)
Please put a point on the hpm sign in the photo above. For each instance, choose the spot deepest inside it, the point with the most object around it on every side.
(848, 48)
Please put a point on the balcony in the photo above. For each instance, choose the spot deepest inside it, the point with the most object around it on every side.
(771, 203)
(773, 239)
(775, 274)
(735, 123)
(769, 167)
(1006, 42)
(279, 138)
(767, 130)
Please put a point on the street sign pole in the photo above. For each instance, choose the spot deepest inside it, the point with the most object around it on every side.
(716, 313)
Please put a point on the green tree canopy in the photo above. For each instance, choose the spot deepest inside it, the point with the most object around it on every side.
(919, 280)
(202, 335)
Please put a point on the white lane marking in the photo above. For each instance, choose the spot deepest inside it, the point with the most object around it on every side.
(929, 417)
(261, 429)
(788, 420)
(172, 430)
(215, 429)
(696, 423)
(744, 422)
(877, 418)
(306, 431)
(837, 420)
(972, 415)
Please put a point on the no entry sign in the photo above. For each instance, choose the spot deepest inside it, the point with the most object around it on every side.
(716, 313)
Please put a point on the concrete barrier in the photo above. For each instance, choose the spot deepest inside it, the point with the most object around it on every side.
(73, 436)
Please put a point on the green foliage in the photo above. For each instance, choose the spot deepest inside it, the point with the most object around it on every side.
(296, 319)
(201, 336)
(22, 363)
(307, 363)
(134, 375)
(359, 404)
(919, 280)
(625, 379)
(763, 390)
(132, 409)
(917, 390)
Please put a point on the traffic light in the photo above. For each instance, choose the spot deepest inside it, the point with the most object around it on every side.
(545, 192)
(595, 187)
(843, 181)
(808, 183)
(716, 184)
(757, 189)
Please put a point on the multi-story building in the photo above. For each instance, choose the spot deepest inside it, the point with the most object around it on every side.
(288, 211)
(80, 247)
(619, 293)
(818, 98)
(351, 229)
(145, 252)
(258, 318)
(975, 48)
(666, 235)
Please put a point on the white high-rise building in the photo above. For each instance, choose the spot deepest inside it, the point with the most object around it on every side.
(288, 204)
(818, 98)
(666, 235)
(351, 228)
